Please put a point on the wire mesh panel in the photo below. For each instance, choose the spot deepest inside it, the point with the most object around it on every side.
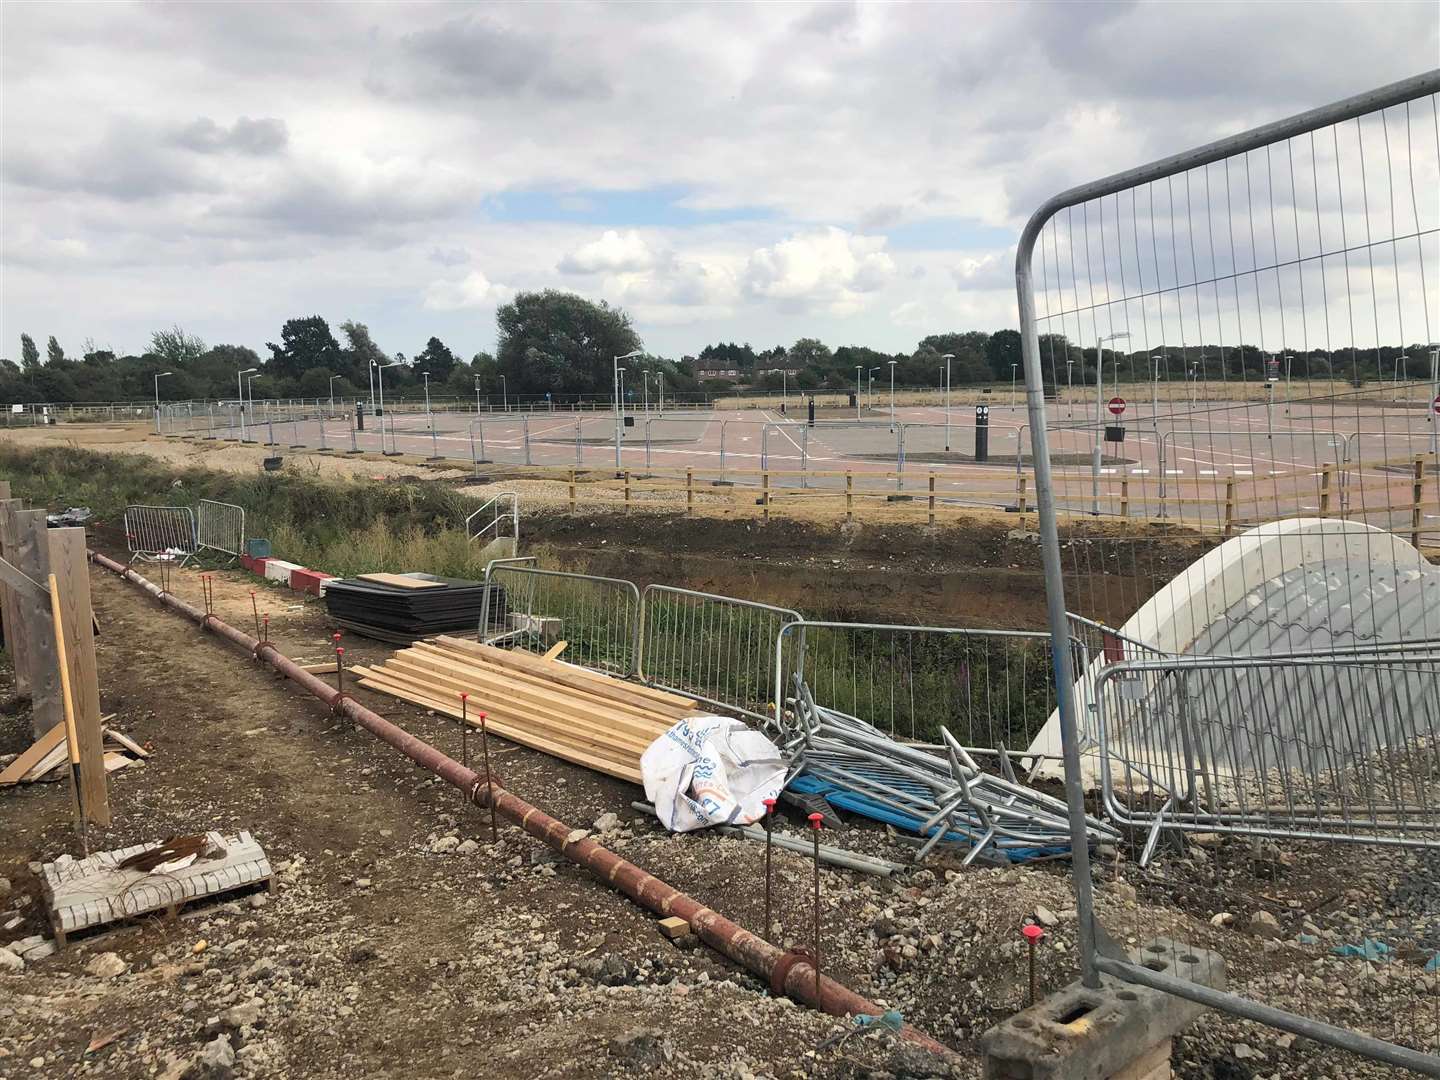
(1335, 748)
(1237, 315)
(153, 531)
(993, 689)
(598, 618)
(714, 648)
(220, 527)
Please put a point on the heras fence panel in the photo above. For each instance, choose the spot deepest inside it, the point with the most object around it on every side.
(155, 531)
(714, 648)
(1309, 250)
(220, 527)
(598, 618)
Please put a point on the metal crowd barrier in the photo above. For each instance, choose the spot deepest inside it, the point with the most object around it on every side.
(597, 617)
(155, 531)
(713, 648)
(220, 527)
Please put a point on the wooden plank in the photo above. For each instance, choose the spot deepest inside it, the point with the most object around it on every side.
(612, 727)
(665, 714)
(524, 738)
(72, 601)
(58, 756)
(674, 927)
(319, 669)
(568, 674)
(32, 557)
(521, 726)
(114, 761)
(402, 582)
(35, 753)
(123, 739)
(16, 627)
(555, 650)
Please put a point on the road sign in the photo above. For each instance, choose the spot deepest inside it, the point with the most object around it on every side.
(1435, 405)
(1117, 405)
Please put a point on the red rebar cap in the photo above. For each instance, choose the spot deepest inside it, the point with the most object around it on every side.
(815, 820)
(1033, 932)
(464, 697)
(339, 650)
(769, 806)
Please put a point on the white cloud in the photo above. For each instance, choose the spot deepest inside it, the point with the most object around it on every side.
(474, 290)
(613, 252)
(828, 269)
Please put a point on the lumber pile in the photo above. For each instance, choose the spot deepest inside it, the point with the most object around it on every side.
(549, 705)
(47, 757)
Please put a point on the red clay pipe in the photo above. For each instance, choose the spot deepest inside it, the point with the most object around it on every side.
(754, 953)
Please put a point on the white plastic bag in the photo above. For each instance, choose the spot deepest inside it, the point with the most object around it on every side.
(710, 770)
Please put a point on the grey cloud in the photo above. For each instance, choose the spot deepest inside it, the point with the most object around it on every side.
(261, 137)
(474, 57)
(127, 163)
(450, 256)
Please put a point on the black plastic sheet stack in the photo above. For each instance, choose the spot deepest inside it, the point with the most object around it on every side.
(399, 615)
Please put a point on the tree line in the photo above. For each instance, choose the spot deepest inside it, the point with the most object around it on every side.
(558, 344)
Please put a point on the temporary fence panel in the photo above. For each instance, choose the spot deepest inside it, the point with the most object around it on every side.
(993, 689)
(1309, 247)
(152, 531)
(1335, 748)
(220, 527)
(716, 649)
(597, 617)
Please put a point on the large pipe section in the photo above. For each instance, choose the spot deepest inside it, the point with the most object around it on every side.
(788, 973)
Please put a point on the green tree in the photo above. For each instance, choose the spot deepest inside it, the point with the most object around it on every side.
(1002, 350)
(810, 352)
(176, 348)
(437, 359)
(54, 354)
(360, 352)
(304, 344)
(29, 354)
(561, 342)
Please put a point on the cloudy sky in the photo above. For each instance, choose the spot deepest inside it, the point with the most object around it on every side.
(855, 172)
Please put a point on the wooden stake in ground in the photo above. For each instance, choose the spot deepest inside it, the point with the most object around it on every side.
(32, 558)
(72, 741)
(16, 642)
(70, 599)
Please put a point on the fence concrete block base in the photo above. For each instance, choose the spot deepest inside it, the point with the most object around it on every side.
(1118, 1032)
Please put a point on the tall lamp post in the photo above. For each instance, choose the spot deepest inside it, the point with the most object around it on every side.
(240, 390)
(477, 395)
(891, 364)
(371, 402)
(250, 388)
(158, 376)
(616, 369)
(947, 357)
(332, 390)
(1156, 359)
(1100, 415)
(1070, 387)
(426, 374)
(1435, 404)
(858, 368)
(504, 395)
(380, 375)
(1013, 369)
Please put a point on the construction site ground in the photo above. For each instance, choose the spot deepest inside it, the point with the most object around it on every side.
(384, 951)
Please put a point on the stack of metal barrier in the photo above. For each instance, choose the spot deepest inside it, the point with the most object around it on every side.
(947, 799)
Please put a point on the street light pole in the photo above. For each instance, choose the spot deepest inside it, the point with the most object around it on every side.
(858, 391)
(870, 385)
(250, 387)
(158, 376)
(947, 357)
(1013, 369)
(371, 402)
(477, 395)
(616, 369)
(1070, 387)
(1155, 359)
(784, 389)
(1100, 415)
(332, 390)
(504, 395)
(426, 374)
(240, 390)
(891, 364)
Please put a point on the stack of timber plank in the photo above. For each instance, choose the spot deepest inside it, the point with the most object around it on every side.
(566, 711)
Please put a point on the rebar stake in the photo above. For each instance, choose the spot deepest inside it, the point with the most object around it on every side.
(769, 845)
(464, 731)
(255, 607)
(340, 668)
(489, 783)
(1033, 933)
(815, 820)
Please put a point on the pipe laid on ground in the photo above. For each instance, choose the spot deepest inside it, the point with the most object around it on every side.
(741, 946)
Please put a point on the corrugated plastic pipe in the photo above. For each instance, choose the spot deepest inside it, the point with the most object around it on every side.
(757, 955)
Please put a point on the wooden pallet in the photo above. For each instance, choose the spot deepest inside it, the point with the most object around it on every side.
(566, 711)
(83, 894)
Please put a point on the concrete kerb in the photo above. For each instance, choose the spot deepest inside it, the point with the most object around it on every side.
(1082, 1034)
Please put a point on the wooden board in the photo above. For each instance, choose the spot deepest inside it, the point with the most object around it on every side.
(400, 581)
(17, 769)
(17, 636)
(555, 650)
(72, 576)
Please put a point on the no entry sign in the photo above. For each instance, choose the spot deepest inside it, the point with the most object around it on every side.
(1117, 405)
(1435, 406)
